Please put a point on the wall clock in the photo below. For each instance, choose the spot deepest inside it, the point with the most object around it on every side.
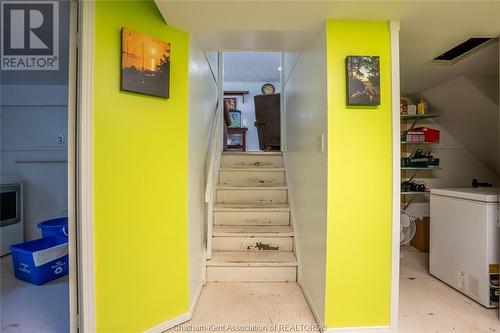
(268, 89)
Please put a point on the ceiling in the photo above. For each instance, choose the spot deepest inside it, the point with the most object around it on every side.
(428, 28)
(252, 66)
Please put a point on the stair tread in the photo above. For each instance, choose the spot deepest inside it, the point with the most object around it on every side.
(253, 153)
(251, 207)
(252, 230)
(251, 187)
(252, 258)
(252, 169)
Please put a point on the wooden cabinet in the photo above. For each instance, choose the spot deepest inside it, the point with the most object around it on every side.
(267, 115)
(237, 138)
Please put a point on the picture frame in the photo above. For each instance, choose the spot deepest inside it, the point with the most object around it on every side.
(145, 64)
(235, 119)
(229, 104)
(363, 80)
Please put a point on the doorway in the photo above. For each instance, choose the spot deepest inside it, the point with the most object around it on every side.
(449, 253)
(38, 164)
(252, 101)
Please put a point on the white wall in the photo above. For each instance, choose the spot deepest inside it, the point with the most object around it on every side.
(470, 115)
(305, 99)
(32, 118)
(248, 108)
(202, 102)
(33, 113)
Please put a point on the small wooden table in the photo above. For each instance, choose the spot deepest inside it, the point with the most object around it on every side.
(237, 138)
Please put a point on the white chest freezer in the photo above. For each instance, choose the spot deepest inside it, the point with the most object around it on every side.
(464, 234)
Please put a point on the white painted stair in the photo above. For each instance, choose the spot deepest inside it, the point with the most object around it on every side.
(252, 239)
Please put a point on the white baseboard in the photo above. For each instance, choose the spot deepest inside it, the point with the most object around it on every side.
(362, 329)
(311, 304)
(196, 298)
(180, 319)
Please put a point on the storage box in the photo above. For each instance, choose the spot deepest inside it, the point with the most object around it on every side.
(421, 239)
(415, 136)
(56, 227)
(419, 163)
(412, 109)
(430, 134)
(41, 260)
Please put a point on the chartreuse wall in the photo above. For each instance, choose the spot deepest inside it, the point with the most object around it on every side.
(140, 179)
(358, 271)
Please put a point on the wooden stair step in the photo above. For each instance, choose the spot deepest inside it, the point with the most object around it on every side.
(252, 259)
(252, 169)
(252, 187)
(249, 153)
(252, 230)
(251, 207)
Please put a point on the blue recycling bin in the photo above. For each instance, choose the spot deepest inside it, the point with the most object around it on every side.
(55, 227)
(40, 261)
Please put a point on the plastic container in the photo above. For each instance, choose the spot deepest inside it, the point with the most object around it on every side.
(55, 227)
(430, 134)
(41, 260)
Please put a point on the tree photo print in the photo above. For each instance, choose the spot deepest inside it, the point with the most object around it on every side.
(363, 80)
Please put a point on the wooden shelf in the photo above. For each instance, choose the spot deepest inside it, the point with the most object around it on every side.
(415, 193)
(419, 116)
(415, 168)
(418, 143)
(241, 93)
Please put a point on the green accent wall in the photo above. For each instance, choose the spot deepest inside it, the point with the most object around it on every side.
(358, 272)
(140, 179)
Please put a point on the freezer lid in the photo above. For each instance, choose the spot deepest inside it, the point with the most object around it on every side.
(486, 194)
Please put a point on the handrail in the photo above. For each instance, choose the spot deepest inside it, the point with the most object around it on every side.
(211, 176)
(212, 156)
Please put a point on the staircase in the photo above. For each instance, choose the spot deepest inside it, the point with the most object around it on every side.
(252, 239)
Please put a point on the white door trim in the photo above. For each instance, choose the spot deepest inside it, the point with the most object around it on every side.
(367, 329)
(282, 103)
(396, 174)
(72, 183)
(85, 167)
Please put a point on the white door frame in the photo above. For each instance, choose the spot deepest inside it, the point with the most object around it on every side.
(72, 160)
(282, 103)
(396, 174)
(84, 167)
(86, 302)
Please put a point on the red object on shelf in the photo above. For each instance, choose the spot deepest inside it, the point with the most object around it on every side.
(431, 135)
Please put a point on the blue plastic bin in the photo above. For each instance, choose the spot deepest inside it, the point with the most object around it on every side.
(41, 260)
(55, 227)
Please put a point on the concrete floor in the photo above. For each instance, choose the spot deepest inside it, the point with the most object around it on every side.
(251, 307)
(29, 308)
(427, 305)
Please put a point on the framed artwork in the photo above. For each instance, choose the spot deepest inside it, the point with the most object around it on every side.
(235, 118)
(145, 64)
(230, 104)
(363, 80)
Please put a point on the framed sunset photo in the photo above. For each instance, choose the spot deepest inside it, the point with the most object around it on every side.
(145, 64)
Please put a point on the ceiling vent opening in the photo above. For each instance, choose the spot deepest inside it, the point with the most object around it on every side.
(463, 50)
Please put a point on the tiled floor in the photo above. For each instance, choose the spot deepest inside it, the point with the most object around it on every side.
(427, 305)
(29, 308)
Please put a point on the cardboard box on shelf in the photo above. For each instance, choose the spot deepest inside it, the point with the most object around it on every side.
(421, 239)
